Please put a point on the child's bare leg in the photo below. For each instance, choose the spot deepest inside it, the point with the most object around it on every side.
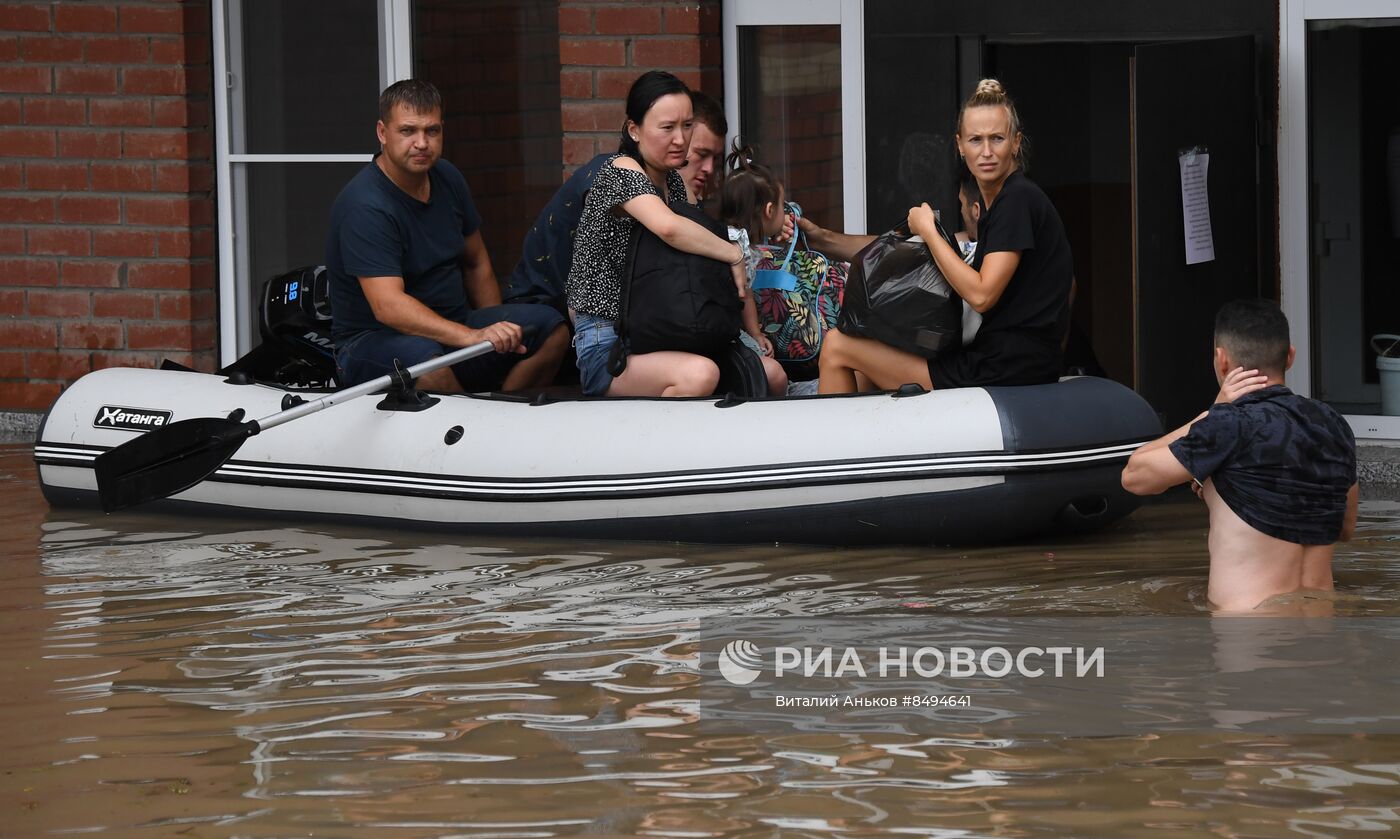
(538, 370)
(777, 376)
(441, 380)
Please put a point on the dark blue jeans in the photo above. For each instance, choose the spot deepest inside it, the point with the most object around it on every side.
(371, 354)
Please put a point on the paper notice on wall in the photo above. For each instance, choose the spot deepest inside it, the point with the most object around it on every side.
(1195, 207)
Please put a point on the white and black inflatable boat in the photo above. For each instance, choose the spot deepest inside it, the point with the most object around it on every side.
(956, 466)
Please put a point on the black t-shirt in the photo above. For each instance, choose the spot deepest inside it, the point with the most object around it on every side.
(378, 230)
(1035, 302)
(1282, 462)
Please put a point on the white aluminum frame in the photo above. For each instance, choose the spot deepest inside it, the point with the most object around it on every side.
(850, 16)
(1294, 233)
(231, 167)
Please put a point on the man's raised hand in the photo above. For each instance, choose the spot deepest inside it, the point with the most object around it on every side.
(1238, 382)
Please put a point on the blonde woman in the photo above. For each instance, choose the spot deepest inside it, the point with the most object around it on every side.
(1019, 278)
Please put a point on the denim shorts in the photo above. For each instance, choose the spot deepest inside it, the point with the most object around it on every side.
(371, 354)
(594, 338)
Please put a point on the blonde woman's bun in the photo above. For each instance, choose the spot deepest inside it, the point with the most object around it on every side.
(990, 87)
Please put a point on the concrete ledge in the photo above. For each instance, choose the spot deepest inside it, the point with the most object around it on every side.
(19, 426)
(1378, 464)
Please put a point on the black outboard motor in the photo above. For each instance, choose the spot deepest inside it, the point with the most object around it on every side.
(295, 323)
(296, 313)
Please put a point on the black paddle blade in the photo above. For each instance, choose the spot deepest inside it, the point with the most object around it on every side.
(167, 460)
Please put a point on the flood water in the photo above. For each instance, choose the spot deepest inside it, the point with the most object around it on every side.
(199, 677)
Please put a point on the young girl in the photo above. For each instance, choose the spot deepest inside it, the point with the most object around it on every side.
(751, 203)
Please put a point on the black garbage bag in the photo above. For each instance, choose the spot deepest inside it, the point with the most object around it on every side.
(896, 295)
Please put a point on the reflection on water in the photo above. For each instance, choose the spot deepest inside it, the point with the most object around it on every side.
(218, 678)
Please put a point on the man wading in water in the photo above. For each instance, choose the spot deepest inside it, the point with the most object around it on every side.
(1277, 470)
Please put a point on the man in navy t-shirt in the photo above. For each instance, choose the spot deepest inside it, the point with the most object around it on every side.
(1277, 470)
(410, 278)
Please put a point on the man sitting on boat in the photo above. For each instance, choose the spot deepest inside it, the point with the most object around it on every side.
(410, 278)
(1277, 470)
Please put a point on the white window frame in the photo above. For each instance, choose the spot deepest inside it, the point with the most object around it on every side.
(1294, 234)
(236, 326)
(850, 16)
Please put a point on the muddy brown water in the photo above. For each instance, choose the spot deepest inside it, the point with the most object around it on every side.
(198, 677)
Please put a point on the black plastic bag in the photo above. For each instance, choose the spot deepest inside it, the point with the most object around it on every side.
(897, 295)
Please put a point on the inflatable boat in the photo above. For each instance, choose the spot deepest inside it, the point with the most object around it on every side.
(956, 466)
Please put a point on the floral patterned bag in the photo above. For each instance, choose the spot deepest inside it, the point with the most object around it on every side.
(796, 310)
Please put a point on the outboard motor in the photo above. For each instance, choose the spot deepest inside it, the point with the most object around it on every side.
(295, 323)
(296, 313)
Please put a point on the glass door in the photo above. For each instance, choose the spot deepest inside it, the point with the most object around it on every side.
(1340, 205)
(294, 122)
(794, 87)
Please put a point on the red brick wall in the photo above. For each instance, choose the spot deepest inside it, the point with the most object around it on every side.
(106, 183)
(604, 46)
(497, 65)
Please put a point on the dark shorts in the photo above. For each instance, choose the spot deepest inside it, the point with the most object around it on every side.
(997, 358)
(369, 355)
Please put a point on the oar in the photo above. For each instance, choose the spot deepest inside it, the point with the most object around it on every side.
(172, 459)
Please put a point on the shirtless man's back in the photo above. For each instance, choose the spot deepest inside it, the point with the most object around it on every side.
(1255, 566)
(1277, 470)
